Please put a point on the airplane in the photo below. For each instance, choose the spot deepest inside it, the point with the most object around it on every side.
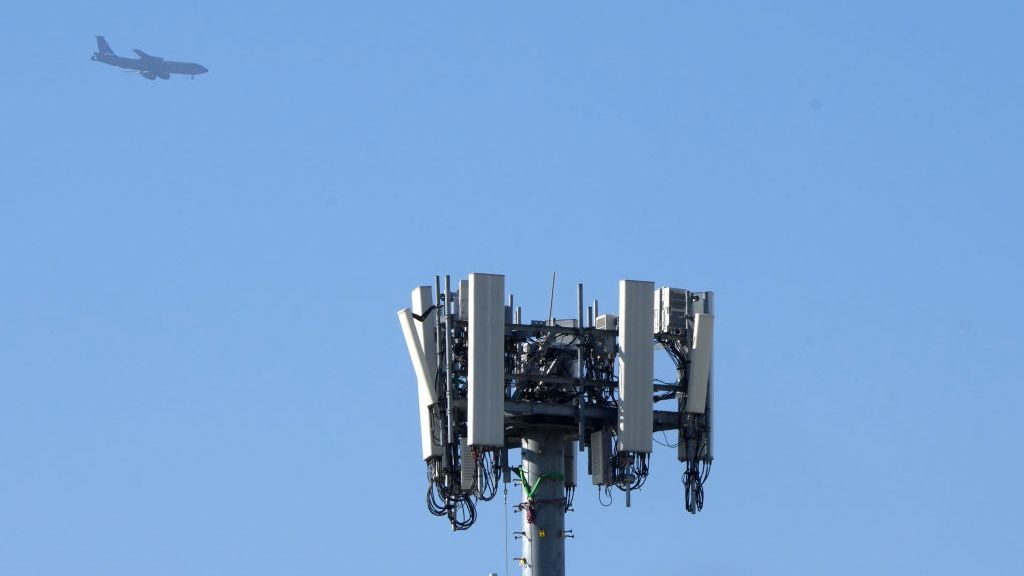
(149, 67)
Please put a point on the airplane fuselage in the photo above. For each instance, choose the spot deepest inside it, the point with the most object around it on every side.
(150, 67)
(158, 67)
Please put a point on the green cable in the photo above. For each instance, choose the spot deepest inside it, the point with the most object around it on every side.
(528, 490)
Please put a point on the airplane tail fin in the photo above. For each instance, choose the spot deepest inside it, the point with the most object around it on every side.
(102, 47)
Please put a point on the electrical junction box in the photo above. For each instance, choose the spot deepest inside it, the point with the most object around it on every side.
(569, 462)
(607, 322)
(601, 458)
(670, 309)
(467, 475)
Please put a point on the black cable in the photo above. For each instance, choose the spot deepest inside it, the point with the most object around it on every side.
(694, 489)
(422, 317)
(435, 504)
(461, 511)
(697, 473)
(488, 472)
(666, 443)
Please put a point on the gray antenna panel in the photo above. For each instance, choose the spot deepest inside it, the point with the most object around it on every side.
(700, 363)
(486, 302)
(423, 385)
(636, 366)
(569, 462)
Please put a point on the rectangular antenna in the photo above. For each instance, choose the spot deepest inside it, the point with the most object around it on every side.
(422, 300)
(709, 308)
(636, 366)
(486, 303)
(462, 301)
(700, 363)
(424, 386)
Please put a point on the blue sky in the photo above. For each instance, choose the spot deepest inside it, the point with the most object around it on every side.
(200, 367)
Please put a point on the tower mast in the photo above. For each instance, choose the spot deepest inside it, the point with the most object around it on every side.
(489, 383)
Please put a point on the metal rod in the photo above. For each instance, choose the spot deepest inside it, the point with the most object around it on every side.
(551, 304)
(440, 350)
(581, 421)
(526, 412)
(449, 385)
(579, 306)
(437, 328)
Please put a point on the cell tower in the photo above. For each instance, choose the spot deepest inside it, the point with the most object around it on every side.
(489, 383)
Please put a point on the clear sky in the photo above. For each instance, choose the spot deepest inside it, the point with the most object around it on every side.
(201, 371)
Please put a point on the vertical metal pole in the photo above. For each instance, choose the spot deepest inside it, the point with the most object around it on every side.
(543, 463)
(441, 346)
(449, 385)
(579, 306)
(580, 421)
(551, 305)
(438, 342)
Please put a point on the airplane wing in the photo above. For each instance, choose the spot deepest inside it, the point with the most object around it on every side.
(145, 56)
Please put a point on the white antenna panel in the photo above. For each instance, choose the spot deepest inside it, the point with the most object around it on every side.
(636, 365)
(486, 302)
(424, 385)
(462, 301)
(423, 299)
(700, 363)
